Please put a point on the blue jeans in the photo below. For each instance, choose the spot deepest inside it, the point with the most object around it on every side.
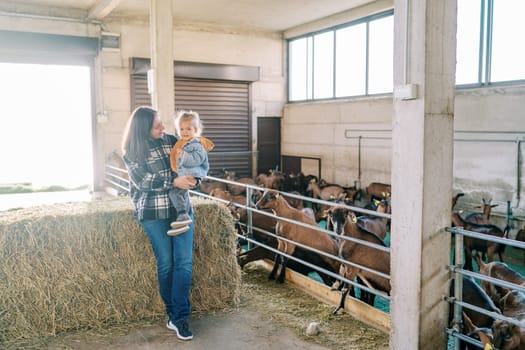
(174, 266)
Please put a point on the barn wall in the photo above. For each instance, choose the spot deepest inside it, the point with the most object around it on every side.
(193, 44)
(482, 169)
(326, 130)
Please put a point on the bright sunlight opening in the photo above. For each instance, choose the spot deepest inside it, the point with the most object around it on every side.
(45, 127)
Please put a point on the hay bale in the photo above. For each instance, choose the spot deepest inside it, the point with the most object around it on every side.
(84, 265)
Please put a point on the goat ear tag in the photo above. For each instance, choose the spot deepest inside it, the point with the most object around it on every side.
(488, 346)
(354, 219)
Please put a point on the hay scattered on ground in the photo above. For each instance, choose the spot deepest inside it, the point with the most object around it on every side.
(89, 265)
(294, 309)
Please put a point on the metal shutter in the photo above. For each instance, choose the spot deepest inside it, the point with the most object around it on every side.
(224, 110)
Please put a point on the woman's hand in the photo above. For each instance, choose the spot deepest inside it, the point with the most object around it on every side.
(184, 182)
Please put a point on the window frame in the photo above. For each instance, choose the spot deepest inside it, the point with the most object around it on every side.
(485, 55)
(310, 84)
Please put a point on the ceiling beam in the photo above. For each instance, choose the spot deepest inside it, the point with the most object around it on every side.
(102, 8)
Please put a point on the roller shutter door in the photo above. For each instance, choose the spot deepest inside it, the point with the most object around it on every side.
(224, 109)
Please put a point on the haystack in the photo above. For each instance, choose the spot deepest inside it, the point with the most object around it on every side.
(85, 265)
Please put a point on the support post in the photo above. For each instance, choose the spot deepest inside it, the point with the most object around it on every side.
(422, 146)
(161, 34)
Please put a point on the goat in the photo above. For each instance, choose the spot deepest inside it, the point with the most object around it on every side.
(327, 193)
(501, 271)
(227, 196)
(378, 190)
(237, 189)
(481, 334)
(207, 186)
(311, 237)
(343, 223)
(508, 336)
(274, 180)
(297, 203)
(294, 182)
(473, 294)
(478, 244)
(377, 224)
(262, 222)
(483, 217)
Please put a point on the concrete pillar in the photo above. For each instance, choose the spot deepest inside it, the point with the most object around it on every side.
(161, 34)
(422, 144)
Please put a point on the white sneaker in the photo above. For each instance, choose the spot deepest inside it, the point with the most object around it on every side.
(182, 220)
(178, 230)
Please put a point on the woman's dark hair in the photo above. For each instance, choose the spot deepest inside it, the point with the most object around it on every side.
(137, 133)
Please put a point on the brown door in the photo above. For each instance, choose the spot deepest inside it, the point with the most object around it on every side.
(268, 144)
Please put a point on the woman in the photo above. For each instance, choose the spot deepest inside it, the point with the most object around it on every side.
(146, 153)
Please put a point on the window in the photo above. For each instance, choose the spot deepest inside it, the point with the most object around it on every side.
(350, 61)
(298, 52)
(323, 65)
(508, 51)
(486, 49)
(355, 59)
(381, 55)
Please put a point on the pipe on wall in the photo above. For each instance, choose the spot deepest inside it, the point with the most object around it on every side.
(518, 142)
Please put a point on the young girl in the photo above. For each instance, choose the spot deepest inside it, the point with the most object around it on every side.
(189, 157)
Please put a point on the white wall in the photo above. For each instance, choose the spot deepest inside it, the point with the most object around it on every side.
(328, 130)
(194, 44)
(485, 169)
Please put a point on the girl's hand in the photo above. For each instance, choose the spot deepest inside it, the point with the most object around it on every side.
(179, 152)
(184, 182)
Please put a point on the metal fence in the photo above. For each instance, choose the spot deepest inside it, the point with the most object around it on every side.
(120, 184)
(458, 272)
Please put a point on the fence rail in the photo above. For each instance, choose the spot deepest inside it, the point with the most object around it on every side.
(114, 177)
(455, 329)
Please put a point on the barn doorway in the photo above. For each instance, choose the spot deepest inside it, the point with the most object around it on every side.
(46, 127)
(268, 144)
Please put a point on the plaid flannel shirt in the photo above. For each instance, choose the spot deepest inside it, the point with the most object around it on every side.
(150, 181)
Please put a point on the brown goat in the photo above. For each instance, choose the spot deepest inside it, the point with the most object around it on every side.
(207, 186)
(274, 181)
(483, 217)
(478, 244)
(311, 237)
(481, 334)
(297, 203)
(473, 294)
(328, 193)
(237, 189)
(508, 336)
(501, 271)
(343, 222)
(378, 190)
(227, 196)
